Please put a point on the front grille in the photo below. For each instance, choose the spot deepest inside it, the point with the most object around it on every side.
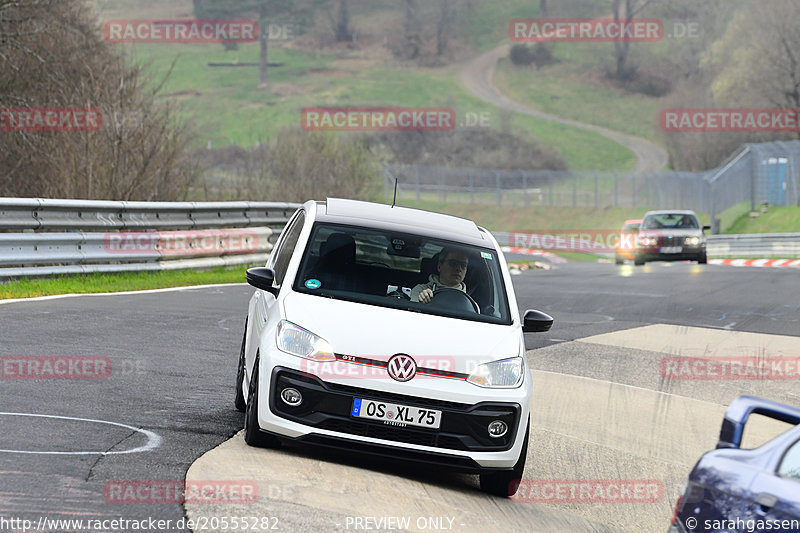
(328, 406)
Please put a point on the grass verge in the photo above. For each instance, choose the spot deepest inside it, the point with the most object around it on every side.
(120, 282)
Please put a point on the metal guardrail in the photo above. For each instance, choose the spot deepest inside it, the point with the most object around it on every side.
(760, 245)
(59, 237)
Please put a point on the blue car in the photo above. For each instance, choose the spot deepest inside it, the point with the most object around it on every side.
(733, 490)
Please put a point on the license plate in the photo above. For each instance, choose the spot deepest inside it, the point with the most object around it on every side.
(671, 249)
(396, 415)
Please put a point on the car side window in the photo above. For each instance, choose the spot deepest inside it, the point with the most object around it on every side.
(790, 464)
(286, 248)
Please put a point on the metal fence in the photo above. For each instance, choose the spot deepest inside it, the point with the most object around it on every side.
(757, 173)
(42, 237)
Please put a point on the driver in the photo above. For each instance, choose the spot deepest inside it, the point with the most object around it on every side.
(452, 268)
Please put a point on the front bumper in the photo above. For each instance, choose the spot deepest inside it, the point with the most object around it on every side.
(461, 442)
(328, 406)
(688, 254)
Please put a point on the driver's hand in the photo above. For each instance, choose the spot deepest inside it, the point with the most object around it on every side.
(426, 296)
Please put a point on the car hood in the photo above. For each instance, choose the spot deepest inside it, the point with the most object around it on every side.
(376, 332)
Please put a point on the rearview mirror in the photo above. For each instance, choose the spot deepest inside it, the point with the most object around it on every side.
(706, 228)
(262, 278)
(535, 321)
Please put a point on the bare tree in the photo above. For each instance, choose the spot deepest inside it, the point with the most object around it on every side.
(758, 57)
(61, 61)
(443, 27)
(624, 12)
(343, 21)
(413, 31)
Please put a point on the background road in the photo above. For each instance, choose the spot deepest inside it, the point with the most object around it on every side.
(478, 75)
(601, 409)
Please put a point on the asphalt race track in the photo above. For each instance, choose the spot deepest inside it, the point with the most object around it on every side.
(602, 408)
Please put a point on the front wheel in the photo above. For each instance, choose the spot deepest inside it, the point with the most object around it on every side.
(238, 401)
(638, 260)
(506, 482)
(703, 259)
(618, 260)
(252, 432)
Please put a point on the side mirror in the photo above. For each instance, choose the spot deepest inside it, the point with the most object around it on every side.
(262, 278)
(706, 228)
(535, 321)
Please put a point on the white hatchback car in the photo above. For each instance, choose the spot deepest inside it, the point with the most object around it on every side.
(340, 348)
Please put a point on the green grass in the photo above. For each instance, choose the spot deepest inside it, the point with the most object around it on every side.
(228, 108)
(128, 281)
(775, 220)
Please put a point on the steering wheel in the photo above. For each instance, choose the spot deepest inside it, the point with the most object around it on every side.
(454, 299)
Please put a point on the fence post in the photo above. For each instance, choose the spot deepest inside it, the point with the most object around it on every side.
(499, 191)
(525, 188)
(416, 171)
(442, 185)
(575, 190)
(471, 187)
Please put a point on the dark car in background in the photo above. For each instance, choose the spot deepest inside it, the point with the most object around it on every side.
(626, 248)
(673, 235)
(736, 490)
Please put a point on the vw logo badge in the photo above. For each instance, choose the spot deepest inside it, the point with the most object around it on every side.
(401, 367)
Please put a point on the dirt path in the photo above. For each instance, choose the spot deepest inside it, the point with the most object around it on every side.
(477, 76)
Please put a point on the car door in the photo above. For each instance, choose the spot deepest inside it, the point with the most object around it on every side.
(775, 494)
(262, 301)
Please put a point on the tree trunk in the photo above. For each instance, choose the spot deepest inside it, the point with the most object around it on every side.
(441, 28)
(343, 22)
(621, 46)
(542, 8)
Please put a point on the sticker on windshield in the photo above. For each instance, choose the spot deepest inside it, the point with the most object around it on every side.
(313, 284)
(486, 255)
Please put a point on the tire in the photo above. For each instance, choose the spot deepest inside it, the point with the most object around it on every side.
(252, 432)
(240, 373)
(703, 259)
(638, 261)
(505, 483)
(618, 260)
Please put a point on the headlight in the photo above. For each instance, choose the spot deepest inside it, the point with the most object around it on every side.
(646, 241)
(506, 373)
(692, 241)
(295, 340)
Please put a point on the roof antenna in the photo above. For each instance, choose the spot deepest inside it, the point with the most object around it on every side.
(395, 192)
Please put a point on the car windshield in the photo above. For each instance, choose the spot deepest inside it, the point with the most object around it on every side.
(383, 268)
(670, 221)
